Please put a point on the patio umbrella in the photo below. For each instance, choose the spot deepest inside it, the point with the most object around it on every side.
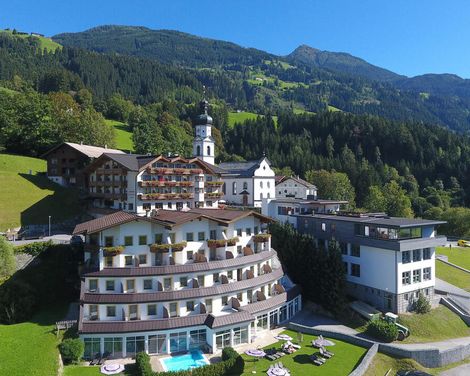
(283, 337)
(256, 353)
(322, 342)
(112, 369)
(277, 371)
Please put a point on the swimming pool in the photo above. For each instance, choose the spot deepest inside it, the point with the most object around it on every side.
(177, 363)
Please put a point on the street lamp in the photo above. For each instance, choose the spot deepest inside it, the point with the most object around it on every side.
(49, 225)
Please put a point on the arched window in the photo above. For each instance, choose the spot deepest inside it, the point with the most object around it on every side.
(198, 151)
(269, 184)
(208, 150)
(261, 184)
(234, 188)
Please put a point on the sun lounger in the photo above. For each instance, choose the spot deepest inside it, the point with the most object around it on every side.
(324, 353)
(314, 344)
(317, 360)
(280, 354)
(95, 359)
(328, 352)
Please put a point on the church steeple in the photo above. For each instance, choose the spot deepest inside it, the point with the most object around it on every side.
(203, 144)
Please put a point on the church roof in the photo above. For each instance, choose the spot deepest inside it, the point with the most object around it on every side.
(242, 169)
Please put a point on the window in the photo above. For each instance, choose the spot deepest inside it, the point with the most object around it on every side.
(323, 226)
(152, 310)
(344, 248)
(215, 277)
(147, 284)
(200, 280)
(183, 281)
(189, 255)
(109, 285)
(248, 231)
(201, 236)
(239, 249)
(406, 257)
(169, 205)
(406, 278)
(416, 255)
(128, 240)
(255, 230)
(158, 238)
(142, 239)
(174, 309)
(416, 275)
(110, 311)
(234, 188)
(198, 150)
(190, 305)
(209, 305)
(130, 206)
(355, 270)
(128, 260)
(224, 300)
(426, 274)
(213, 234)
(239, 232)
(167, 284)
(240, 296)
(190, 236)
(355, 250)
(130, 285)
(92, 285)
(142, 259)
(426, 253)
(208, 150)
(108, 241)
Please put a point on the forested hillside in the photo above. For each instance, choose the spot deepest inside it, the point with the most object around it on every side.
(307, 79)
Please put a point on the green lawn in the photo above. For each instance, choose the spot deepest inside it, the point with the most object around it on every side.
(240, 117)
(382, 363)
(333, 109)
(346, 358)
(439, 324)
(30, 348)
(457, 255)
(44, 42)
(30, 198)
(453, 275)
(123, 135)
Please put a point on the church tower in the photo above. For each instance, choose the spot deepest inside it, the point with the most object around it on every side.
(203, 144)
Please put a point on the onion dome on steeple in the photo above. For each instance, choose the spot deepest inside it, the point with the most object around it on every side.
(203, 118)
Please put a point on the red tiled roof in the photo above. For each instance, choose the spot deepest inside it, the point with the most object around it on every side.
(105, 222)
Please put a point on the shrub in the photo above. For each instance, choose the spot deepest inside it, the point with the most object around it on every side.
(7, 259)
(228, 353)
(72, 350)
(382, 330)
(422, 305)
(34, 249)
(142, 362)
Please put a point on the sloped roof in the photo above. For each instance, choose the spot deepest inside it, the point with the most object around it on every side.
(298, 180)
(88, 150)
(242, 169)
(105, 222)
(132, 162)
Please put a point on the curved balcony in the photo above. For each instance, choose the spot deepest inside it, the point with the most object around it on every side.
(165, 183)
(164, 196)
(195, 267)
(192, 293)
(213, 194)
(174, 171)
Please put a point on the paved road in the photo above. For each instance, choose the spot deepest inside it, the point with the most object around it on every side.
(463, 370)
(60, 238)
(451, 289)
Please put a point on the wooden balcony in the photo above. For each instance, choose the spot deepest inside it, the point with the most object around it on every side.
(163, 183)
(165, 196)
(174, 171)
(215, 195)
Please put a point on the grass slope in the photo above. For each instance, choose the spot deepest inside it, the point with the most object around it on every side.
(123, 135)
(345, 360)
(457, 255)
(439, 324)
(44, 42)
(382, 363)
(30, 198)
(453, 275)
(30, 348)
(240, 117)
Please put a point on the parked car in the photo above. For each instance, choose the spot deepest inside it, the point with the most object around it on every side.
(463, 243)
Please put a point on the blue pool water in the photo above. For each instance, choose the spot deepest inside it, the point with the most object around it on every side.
(181, 362)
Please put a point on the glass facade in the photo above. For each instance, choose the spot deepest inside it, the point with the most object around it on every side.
(178, 342)
(92, 347)
(157, 344)
(113, 346)
(135, 345)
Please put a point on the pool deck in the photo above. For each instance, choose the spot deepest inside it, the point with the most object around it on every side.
(262, 339)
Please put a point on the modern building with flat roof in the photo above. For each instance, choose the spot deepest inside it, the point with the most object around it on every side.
(388, 260)
(171, 281)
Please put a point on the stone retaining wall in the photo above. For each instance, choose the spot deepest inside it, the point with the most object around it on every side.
(454, 265)
(428, 357)
(365, 362)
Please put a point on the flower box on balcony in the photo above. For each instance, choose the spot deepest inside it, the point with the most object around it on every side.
(196, 171)
(113, 251)
(176, 247)
(216, 183)
(214, 194)
(217, 243)
(261, 238)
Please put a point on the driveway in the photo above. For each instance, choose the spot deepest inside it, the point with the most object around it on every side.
(463, 370)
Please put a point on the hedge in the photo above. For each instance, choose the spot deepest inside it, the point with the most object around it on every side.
(34, 249)
(382, 330)
(72, 350)
(232, 363)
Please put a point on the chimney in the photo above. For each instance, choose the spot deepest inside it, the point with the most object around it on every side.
(105, 146)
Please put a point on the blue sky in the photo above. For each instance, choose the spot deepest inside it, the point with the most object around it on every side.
(409, 37)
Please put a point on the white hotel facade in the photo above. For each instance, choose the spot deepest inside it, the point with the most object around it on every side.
(174, 281)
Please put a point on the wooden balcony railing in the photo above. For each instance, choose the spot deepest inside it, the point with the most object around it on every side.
(174, 171)
(165, 196)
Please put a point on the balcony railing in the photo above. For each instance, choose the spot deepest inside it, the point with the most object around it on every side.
(261, 238)
(174, 171)
(218, 243)
(165, 196)
(214, 183)
(214, 194)
(165, 183)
